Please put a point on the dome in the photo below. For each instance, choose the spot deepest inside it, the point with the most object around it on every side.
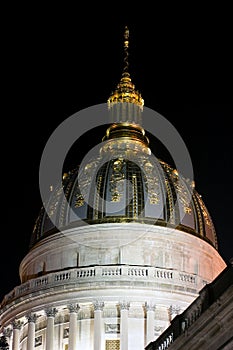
(122, 245)
(125, 183)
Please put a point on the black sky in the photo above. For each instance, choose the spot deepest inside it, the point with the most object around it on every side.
(61, 60)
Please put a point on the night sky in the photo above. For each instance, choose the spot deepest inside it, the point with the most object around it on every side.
(56, 66)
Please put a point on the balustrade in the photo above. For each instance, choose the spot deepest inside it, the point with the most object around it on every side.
(92, 274)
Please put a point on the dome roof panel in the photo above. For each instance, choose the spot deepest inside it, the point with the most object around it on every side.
(125, 186)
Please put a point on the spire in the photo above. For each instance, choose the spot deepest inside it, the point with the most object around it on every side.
(125, 106)
(125, 91)
(126, 52)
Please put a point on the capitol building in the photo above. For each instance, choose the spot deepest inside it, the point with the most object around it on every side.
(121, 248)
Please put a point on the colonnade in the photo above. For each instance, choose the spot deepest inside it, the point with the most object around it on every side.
(13, 334)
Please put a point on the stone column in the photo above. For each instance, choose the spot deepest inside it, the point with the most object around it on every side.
(124, 307)
(150, 322)
(24, 345)
(60, 332)
(73, 326)
(16, 334)
(31, 331)
(98, 309)
(50, 313)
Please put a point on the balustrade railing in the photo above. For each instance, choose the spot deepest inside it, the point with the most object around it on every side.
(113, 272)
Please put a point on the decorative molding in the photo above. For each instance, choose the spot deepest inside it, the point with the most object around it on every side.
(66, 333)
(31, 317)
(93, 275)
(51, 312)
(111, 328)
(174, 309)
(124, 305)
(152, 182)
(158, 329)
(117, 180)
(7, 332)
(98, 305)
(187, 277)
(73, 308)
(38, 340)
(16, 324)
(150, 306)
(79, 202)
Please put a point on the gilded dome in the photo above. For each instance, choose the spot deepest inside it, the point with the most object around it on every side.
(125, 183)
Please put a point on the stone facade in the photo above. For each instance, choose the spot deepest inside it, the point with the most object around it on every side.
(122, 246)
(89, 295)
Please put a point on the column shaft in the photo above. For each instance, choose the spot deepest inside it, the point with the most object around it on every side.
(50, 313)
(31, 336)
(150, 326)
(73, 331)
(49, 333)
(97, 329)
(124, 329)
(16, 339)
(60, 335)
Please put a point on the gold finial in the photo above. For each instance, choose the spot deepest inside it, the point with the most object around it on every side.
(126, 46)
(125, 91)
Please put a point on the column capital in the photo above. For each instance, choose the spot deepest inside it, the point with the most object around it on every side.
(174, 309)
(149, 306)
(98, 305)
(31, 317)
(124, 305)
(73, 308)
(51, 312)
(17, 324)
(7, 332)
